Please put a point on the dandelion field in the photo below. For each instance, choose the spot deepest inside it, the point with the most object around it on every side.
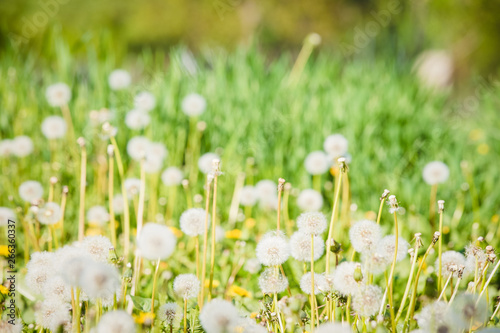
(115, 180)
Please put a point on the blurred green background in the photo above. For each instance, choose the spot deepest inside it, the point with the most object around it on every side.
(468, 29)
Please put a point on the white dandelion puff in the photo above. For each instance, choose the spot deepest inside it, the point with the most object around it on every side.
(432, 316)
(40, 270)
(117, 321)
(157, 149)
(365, 235)
(248, 196)
(98, 247)
(317, 163)
(137, 147)
(118, 204)
(156, 241)
(468, 311)
(31, 190)
(11, 326)
(6, 148)
(170, 313)
(273, 249)
(310, 200)
(54, 127)
(187, 286)
(387, 245)
(366, 301)
(49, 213)
(52, 313)
(132, 185)
(252, 266)
(58, 94)
(375, 263)
(100, 281)
(312, 223)
(98, 215)
(137, 119)
(333, 327)
(218, 316)
(192, 221)
(320, 284)
(474, 255)
(272, 281)
(343, 278)
(57, 288)
(119, 79)
(266, 189)
(335, 145)
(194, 105)
(22, 146)
(435, 173)
(300, 247)
(450, 262)
(152, 164)
(434, 69)
(6, 214)
(172, 176)
(205, 162)
(144, 101)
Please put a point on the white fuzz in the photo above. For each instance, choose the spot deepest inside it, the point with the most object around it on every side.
(144, 101)
(192, 221)
(6, 148)
(205, 162)
(118, 205)
(375, 263)
(152, 164)
(300, 246)
(170, 313)
(119, 79)
(99, 117)
(387, 245)
(310, 200)
(137, 119)
(435, 173)
(317, 163)
(157, 149)
(312, 223)
(320, 284)
(366, 302)
(40, 270)
(194, 105)
(137, 147)
(100, 281)
(54, 127)
(266, 189)
(248, 196)
(273, 249)
(172, 176)
(343, 278)
(132, 185)
(57, 288)
(187, 286)
(432, 316)
(31, 190)
(98, 215)
(72, 269)
(450, 262)
(156, 241)
(9, 326)
(335, 145)
(49, 213)
(6, 214)
(435, 68)
(117, 321)
(474, 255)
(252, 266)
(98, 247)
(247, 325)
(365, 235)
(58, 94)
(272, 281)
(220, 233)
(218, 316)
(468, 311)
(22, 146)
(51, 314)
(333, 327)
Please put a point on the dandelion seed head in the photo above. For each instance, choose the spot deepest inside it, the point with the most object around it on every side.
(248, 196)
(6, 148)
(22, 146)
(333, 327)
(119, 79)
(49, 213)
(137, 147)
(365, 235)
(272, 281)
(137, 119)
(132, 185)
(320, 284)
(118, 205)
(218, 316)
(312, 223)
(170, 313)
(52, 313)
(187, 286)
(317, 163)
(192, 221)
(435, 173)
(252, 266)
(98, 247)
(152, 164)
(273, 249)
(300, 247)
(172, 176)
(434, 69)
(310, 200)
(375, 263)
(366, 301)
(73, 261)
(343, 278)
(30, 191)
(117, 321)
(194, 105)
(156, 241)
(40, 271)
(9, 326)
(54, 127)
(57, 288)
(266, 189)
(473, 255)
(98, 215)
(387, 245)
(247, 325)
(467, 311)
(6, 214)
(335, 145)
(205, 162)
(144, 101)
(100, 280)
(58, 94)
(432, 316)
(450, 261)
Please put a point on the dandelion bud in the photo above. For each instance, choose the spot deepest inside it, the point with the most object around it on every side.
(65, 190)
(335, 246)
(492, 257)
(460, 271)
(81, 142)
(440, 206)
(53, 180)
(281, 183)
(385, 194)
(418, 239)
(358, 274)
(215, 166)
(436, 236)
(480, 239)
(489, 249)
(342, 164)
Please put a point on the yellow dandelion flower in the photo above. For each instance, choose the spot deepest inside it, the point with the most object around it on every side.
(3, 290)
(233, 234)
(483, 149)
(495, 218)
(253, 315)
(4, 250)
(370, 215)
(236, 290)
(177, 232)
(250, 223)
(144, 318)
(93, 232)
(476, 134)
(216, 283)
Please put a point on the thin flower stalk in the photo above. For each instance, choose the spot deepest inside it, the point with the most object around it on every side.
(216, 166)
(83, 181)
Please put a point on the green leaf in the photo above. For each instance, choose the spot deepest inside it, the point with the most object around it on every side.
(141, 303)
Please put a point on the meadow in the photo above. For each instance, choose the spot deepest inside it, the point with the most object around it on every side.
(168, 192)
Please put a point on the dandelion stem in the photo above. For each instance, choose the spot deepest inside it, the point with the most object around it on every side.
(63, 210)
(185, 315)
(444, 288)
(312, 283)
(205, 241)
(281, 183)
(83, 180)
(440, 251)
(332, 221)
(153, 293)
(142, 195)
(112, 225)
(197, 250)
(495, 312)
(455, 291)
(408, 284)
(488, 282)
(432, 205)
(214, 214)
(391, 275)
